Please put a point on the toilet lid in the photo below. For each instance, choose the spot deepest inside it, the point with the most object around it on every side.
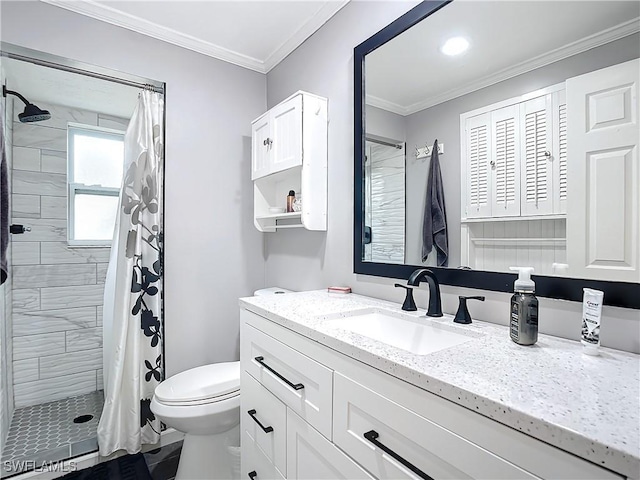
(201, 383)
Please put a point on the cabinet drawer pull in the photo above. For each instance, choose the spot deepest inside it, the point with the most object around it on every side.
(253, 474)
(295, 386)
(372, 436)
(252, 414)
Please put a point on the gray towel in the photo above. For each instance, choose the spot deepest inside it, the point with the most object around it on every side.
(4, 207)
(434, 226)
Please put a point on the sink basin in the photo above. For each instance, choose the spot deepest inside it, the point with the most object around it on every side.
(413, 334)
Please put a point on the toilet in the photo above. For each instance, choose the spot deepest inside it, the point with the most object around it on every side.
(204, 403)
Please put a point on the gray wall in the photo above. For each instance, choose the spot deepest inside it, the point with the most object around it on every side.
(213, 252)
(302, 260)
(443, 122)
(384, 124)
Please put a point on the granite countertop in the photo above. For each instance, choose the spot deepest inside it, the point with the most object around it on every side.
(588, 406)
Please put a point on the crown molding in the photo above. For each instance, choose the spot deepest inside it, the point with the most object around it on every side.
(321, 17)
(108, 14)
(386, 105)
(596, 40)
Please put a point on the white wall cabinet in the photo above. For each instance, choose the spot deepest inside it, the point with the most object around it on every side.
(289, 152)
(277, 138)
(514, 157)
(416, 434)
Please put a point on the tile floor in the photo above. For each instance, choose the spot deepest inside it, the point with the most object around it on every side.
(163, 462)
(47, 432)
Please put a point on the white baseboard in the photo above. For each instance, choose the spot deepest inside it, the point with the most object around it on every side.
(60, 469)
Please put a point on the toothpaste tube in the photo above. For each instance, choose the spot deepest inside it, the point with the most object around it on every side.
(591, 313)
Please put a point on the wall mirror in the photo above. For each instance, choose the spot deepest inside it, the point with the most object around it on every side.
(534, 106)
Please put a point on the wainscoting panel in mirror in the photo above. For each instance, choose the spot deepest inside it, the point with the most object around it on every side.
(535, 109)
(499, 108)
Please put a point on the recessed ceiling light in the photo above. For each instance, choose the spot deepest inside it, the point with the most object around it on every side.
(455, 46)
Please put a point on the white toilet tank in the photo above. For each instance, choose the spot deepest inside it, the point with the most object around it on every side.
(271, 291)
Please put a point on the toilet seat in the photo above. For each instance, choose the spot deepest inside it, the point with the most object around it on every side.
(201, 385)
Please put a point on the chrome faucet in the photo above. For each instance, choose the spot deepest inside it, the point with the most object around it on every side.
(435, 304)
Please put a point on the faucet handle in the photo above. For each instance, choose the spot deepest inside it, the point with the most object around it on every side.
(409, 304)
(462, 315)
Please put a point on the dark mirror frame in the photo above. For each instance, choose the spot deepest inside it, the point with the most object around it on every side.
(621, 294)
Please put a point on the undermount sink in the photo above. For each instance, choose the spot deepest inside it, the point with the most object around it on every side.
(413, 334)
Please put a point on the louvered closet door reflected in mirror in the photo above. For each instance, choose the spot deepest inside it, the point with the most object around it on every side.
(559, 112)
(537, 175)
(477, 187)
(505, 162)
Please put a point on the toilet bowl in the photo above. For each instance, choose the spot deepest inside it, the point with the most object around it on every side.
(204, 403)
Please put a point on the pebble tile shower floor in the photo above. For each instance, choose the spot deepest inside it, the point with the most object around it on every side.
(47, 432)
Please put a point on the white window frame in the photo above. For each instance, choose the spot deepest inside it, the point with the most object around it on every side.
(80, 188)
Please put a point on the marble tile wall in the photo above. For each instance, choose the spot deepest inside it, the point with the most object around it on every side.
(57, 290)
(6, 373)
(387, 204)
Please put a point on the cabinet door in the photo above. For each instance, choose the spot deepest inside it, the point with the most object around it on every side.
(477, 150)
(286, 132)
(536, 148)
(259, 405)
(260, 147)
(603, 203)
(311, 456)
(559, 113)
(505, 162)
(254, 464)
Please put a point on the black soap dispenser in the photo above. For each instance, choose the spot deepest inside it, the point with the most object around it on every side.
(523, 315)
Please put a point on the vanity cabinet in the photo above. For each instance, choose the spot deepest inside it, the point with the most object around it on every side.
(311, 456)
(349, 420)
(514, 158)
(286, 412)
(289, 152)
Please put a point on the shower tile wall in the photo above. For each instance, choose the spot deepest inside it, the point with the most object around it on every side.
(57, 290)
(6, 374)
(387, 203)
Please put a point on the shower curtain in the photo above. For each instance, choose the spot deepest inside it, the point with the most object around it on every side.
(132, 298)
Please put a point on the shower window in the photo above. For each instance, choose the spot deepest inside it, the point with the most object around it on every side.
(96, 158)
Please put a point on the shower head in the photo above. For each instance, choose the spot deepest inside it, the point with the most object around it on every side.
(31, 113)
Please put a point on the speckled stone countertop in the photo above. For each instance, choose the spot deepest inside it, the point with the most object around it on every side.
(589, 406)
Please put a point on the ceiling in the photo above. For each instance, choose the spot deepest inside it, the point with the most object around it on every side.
(254, 34)
(409, 73)
(50, 85)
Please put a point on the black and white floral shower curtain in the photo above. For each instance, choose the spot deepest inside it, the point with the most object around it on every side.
(132, 300)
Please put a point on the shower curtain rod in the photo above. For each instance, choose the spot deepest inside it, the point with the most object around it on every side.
(81, 70)
(382, 142)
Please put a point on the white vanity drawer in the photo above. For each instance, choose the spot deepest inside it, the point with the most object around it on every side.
(301, 383)
(270, 435)
(311, 456)
(254, 464)
(427, 446)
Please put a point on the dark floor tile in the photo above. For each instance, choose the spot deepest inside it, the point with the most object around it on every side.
(165, 470)
(160, 454)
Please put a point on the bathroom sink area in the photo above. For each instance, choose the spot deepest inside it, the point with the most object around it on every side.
(417, 335)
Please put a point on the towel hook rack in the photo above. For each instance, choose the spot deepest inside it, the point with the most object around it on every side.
(425, 151)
